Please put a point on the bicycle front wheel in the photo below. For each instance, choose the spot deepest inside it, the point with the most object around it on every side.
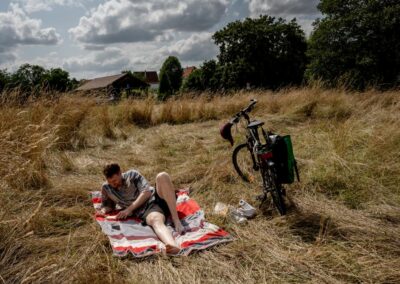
(244, 165)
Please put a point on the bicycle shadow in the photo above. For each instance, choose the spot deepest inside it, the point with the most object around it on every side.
(310, 227)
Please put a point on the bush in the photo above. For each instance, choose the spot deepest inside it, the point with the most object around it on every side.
(170, 77)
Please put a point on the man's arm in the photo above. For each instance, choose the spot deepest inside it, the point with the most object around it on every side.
(142, 198)
(145, 193)
(141, 182)
(107, 204)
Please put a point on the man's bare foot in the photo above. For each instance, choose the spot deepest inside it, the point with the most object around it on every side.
(170, 249)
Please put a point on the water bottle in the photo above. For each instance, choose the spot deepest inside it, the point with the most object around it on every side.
(246, 209)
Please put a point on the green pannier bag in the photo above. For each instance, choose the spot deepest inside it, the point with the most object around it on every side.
(283, 156)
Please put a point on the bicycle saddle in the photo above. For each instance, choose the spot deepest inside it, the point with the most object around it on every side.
(255, 124)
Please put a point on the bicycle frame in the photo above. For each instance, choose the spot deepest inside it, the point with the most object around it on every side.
(254, 144)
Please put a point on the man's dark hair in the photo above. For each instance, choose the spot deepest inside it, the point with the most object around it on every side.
(111, 169)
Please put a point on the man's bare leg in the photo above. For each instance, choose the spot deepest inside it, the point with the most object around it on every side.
(166, 190)
(156, 221)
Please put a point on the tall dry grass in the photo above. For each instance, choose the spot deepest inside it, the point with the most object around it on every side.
(343, 223)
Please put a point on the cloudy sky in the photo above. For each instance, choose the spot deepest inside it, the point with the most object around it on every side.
(92, 38)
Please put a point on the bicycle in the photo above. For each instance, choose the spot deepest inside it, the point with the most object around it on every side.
(261, 155)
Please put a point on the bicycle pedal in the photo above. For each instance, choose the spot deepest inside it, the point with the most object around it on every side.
(263, 201)
(261, 197)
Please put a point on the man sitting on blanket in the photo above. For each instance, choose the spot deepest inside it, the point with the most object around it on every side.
(133, 194)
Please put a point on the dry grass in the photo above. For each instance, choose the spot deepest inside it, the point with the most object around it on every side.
(344, 219)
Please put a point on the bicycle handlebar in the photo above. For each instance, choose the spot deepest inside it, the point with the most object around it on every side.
(243, 112)
(250, 106)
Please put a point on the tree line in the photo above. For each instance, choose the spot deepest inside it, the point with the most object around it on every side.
(355, 45)
(33, 80)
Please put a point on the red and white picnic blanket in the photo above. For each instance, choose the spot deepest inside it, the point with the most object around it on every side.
(130, 236)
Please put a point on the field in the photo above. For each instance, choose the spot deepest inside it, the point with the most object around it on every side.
(343, 223)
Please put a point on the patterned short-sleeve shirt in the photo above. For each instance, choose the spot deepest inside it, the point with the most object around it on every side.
(133, 183)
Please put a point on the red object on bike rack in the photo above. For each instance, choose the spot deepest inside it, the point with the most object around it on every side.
(266, 156)
(225, 131)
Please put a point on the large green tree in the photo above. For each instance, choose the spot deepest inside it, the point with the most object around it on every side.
(356, 43)
(211, 75)
(264, 52)
(170, 77)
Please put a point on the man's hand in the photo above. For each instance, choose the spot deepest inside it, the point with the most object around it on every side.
(142, 198)
(179, 227)
(124, 214)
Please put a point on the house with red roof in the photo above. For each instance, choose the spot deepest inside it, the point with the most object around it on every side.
(150, 77)
(187, 71)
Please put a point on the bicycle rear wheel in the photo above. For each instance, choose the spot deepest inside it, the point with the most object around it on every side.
(244, 166)
(276, 191)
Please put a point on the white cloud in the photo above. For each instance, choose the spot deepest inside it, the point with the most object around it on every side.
(7, 56)
(31, 6)
(16, 28)
(139, 20)
(283, 7)
(198, 47)
(305, 11)
(110, 60)
(94, 47)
